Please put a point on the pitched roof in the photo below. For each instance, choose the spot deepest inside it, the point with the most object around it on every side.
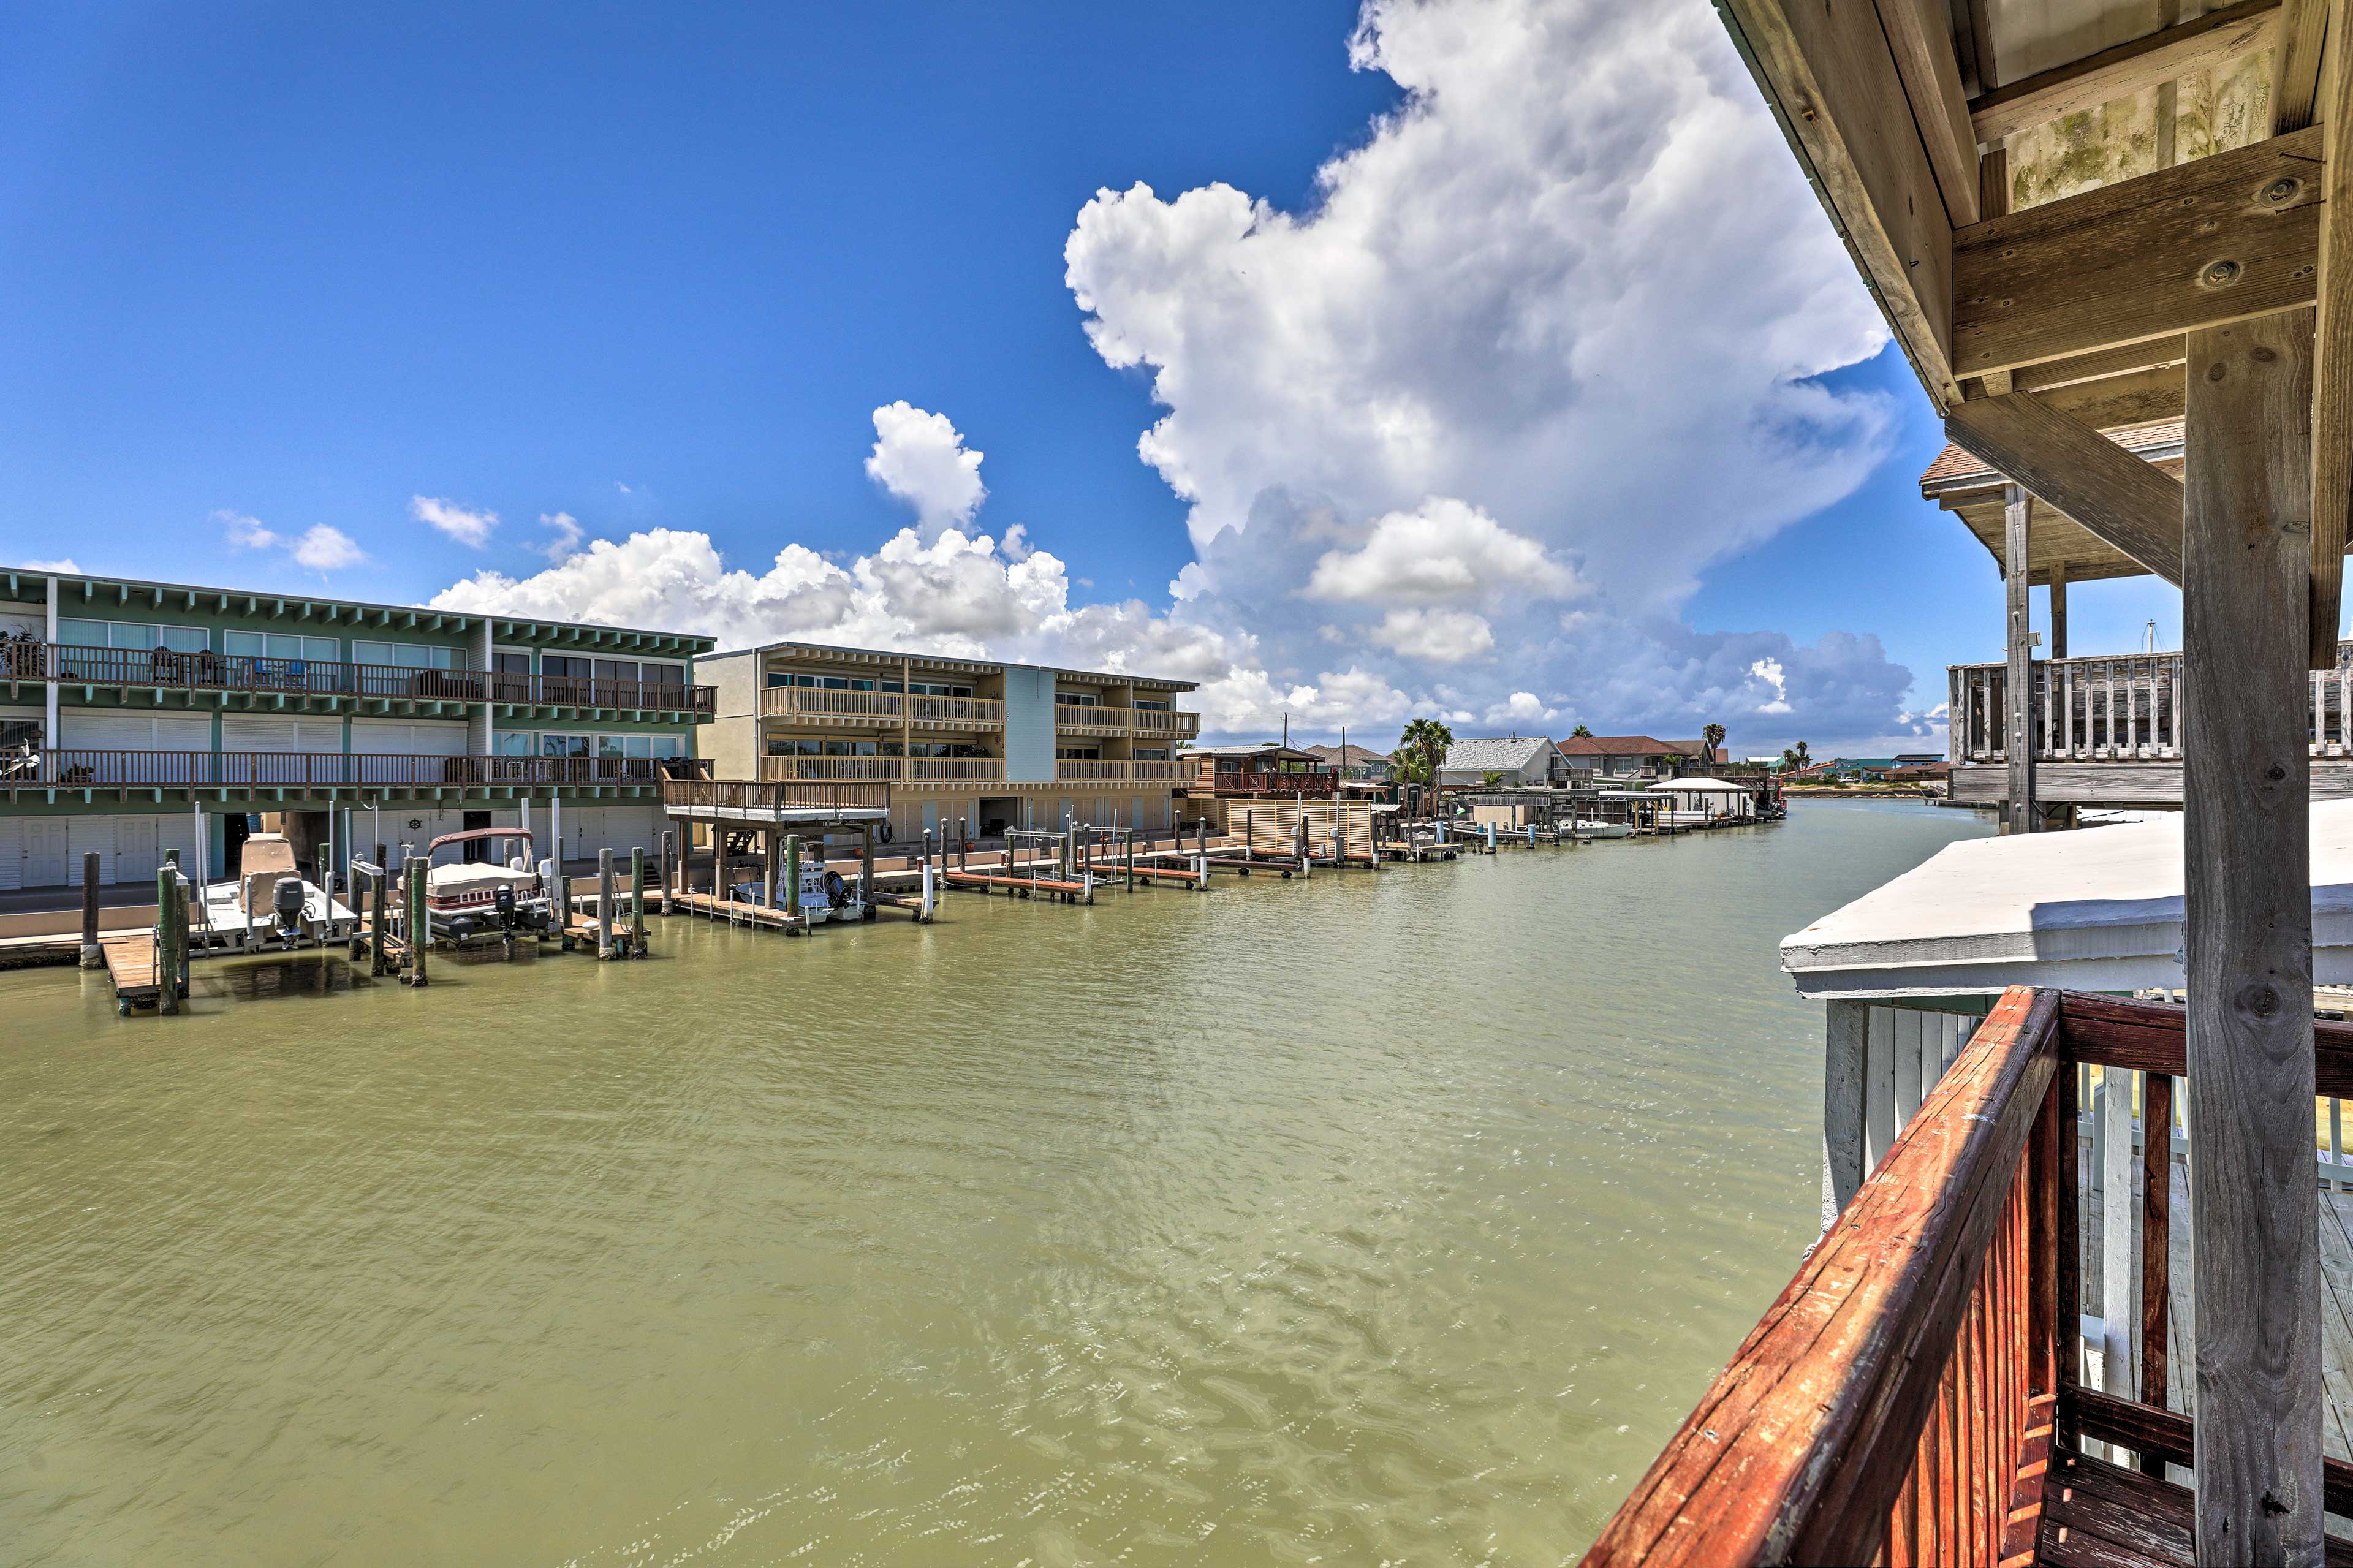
(1618, 746)
(1956, 463)
(1492, 754)
(1358, 756)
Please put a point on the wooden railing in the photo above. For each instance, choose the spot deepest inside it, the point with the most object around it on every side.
(1900, 1400)
(318, 769)
(1116, 770)
(1889, 1398)
(880, 707)
(585, 691)
(2120, 708)
(1145, 721)
(1165, 721)
(1274, 784)
(938, 770)
(170, 669)
(766, 795)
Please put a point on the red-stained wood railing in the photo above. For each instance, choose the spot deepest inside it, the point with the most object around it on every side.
(1885, 1404)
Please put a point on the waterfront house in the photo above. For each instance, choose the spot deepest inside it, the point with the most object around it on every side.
(983, 742)
(1511, 761)
(139, 717)
(1356, 764)
(2081, 219)
(1266, 767)
(1603, 757)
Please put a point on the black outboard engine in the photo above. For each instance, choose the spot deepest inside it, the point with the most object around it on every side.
(503, 898)
(286, 907)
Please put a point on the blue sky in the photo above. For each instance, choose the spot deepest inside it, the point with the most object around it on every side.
(657, 268)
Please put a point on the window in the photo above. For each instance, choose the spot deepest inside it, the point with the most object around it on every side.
(928, 689)
(1077, 699)
(282, 645)
(511, 663)
(512, 743)
(852, 749)
(616, 670)
(130, 635)
(657, 674)
(791, 746)
(1151, 754)
(1153, 704)
(560, 663)
(402, 655)
(556, 745)
(1078, 754)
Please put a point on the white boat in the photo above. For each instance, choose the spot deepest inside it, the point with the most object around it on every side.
(266, 904)
(484, 899)
(1586, 829)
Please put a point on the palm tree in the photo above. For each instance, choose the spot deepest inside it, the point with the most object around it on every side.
(1797, 757)
(1580, 733)
(1421, 749)
(1714, 736)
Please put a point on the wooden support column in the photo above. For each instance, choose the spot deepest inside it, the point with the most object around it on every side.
(2058, 610)
(1845, 1042)
(2019, 814)
(2248, 922)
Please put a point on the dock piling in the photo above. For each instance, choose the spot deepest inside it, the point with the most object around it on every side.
(793, 875)
(605, 902)
(417, 924)
(377, 889)
(167, 998)
(92, 957)
(638, 901)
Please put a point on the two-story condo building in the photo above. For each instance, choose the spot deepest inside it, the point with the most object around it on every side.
(992, 745)
(140, 717)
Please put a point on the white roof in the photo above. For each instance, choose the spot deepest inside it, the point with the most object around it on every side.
(1698, 786)
(2098, 911)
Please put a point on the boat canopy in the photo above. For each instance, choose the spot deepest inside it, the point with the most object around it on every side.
(1697, 787)
(2088, 911)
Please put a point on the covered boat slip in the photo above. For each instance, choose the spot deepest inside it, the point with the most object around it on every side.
(2079, 216)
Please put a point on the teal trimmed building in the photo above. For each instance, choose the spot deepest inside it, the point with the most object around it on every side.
(138, 717)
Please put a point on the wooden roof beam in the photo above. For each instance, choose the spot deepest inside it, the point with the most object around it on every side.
(2117, 497)
(2295, 64)
(2165, 55)
(2332, 391)
(1920, 38)
(1833, 83)
(2203, 244)
(2121, 400)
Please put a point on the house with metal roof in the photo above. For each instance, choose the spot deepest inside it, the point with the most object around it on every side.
(1523, 761)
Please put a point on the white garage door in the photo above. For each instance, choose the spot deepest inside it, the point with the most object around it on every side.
(133, 733)
(323, 737)
(391, 737)
(620, 828)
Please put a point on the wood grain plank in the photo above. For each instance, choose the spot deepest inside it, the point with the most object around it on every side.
(1920, 38)
(2332, 396)
(1831, 78)
(2295, 64)
(2248, 924)
(2123, 500)
(2141, 259)
(2136, 398)
(2165, 55)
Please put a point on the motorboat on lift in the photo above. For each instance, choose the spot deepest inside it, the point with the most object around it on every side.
(268, 903)
(485, 898)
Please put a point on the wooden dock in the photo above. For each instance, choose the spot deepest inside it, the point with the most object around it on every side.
(131, 967)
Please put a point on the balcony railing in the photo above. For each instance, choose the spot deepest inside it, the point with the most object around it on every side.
(1145, 721)
(1917, 1392)
(879, 707)
(1274, 784)
(2114, 707)
(1163, 722)
(883, 770)
(1084, 770)
(312, 770)
(585, 691)
(167, 669)
(744, 795)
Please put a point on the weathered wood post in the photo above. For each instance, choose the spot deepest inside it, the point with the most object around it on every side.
(167, 996)
(419, 921)
(605, 902)
(963, 842)
(2246, 793)
(91, 956)
(865, 870)
(793, 877)
(638, 901)
(1845, 1045)
(2019, 814)
(378, 880)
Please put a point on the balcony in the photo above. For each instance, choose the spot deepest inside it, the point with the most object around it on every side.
(1118, 770)
(747, 798)
(312, 771)
(1082, 719)
(318, 682)
(882, 770)
(881, 709)
(1271, 782)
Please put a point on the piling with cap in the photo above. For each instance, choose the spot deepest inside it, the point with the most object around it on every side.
(377, 880)
(605, 902)
(420, 930)
(637, 900)
(793, 877)
(91, 956)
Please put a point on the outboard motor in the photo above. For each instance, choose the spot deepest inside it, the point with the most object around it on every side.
(503, 898)
(286, 907)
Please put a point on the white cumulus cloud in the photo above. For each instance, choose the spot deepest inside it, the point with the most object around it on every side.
(467, 527)
(921, 460)
(1439, 636)
(320, 547)
(564, 534)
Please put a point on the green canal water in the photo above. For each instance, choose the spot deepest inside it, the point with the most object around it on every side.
(1388, 1219)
